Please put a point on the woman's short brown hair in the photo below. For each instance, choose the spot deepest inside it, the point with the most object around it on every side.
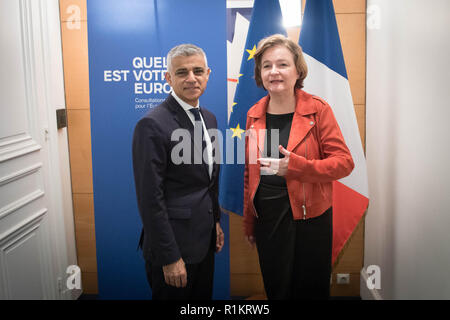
(294, 48)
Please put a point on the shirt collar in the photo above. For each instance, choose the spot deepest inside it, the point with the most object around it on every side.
(186, 106)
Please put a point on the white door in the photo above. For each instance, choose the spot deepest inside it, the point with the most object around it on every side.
(36, 220)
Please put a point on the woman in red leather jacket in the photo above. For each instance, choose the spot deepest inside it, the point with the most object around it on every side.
(294, 150)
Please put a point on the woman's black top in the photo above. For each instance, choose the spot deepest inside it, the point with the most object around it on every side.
(282, 123)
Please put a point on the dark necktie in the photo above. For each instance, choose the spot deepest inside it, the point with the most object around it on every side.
(198, 122)
(196, 113)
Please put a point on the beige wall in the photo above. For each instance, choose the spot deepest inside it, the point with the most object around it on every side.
(245, 276)
(76, 81)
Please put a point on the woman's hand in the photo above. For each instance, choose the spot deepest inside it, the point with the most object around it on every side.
(284, 162)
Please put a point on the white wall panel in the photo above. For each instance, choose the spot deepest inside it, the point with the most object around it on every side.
(408, 135)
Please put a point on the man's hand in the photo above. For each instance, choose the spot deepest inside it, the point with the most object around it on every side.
(219, 238)
(250, 241)
(175, 274)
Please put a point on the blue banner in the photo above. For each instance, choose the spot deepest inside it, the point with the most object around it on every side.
(128, 42)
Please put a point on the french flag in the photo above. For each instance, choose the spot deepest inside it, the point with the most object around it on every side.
(327, 78)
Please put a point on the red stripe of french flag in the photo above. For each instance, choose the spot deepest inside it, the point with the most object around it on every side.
(348, 209)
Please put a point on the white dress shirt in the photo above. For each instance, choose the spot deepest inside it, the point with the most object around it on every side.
(186, 108)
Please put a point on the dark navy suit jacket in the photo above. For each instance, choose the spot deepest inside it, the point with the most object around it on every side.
(178, 203)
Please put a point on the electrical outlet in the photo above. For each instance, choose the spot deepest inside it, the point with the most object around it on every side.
(343, 278)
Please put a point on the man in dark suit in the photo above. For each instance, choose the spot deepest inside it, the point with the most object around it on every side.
(177, 192)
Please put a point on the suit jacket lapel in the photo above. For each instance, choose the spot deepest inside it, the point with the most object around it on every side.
(180, 115)
(302, 122)
(300, 127)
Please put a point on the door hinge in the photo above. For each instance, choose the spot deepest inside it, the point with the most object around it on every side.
(61, 118)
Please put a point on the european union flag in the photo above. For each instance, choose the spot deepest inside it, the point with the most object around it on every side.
(266, 20)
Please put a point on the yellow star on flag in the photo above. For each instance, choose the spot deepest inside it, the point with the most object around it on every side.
(240, 75)
(234, 103)
(237, 132)
(251, 53)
